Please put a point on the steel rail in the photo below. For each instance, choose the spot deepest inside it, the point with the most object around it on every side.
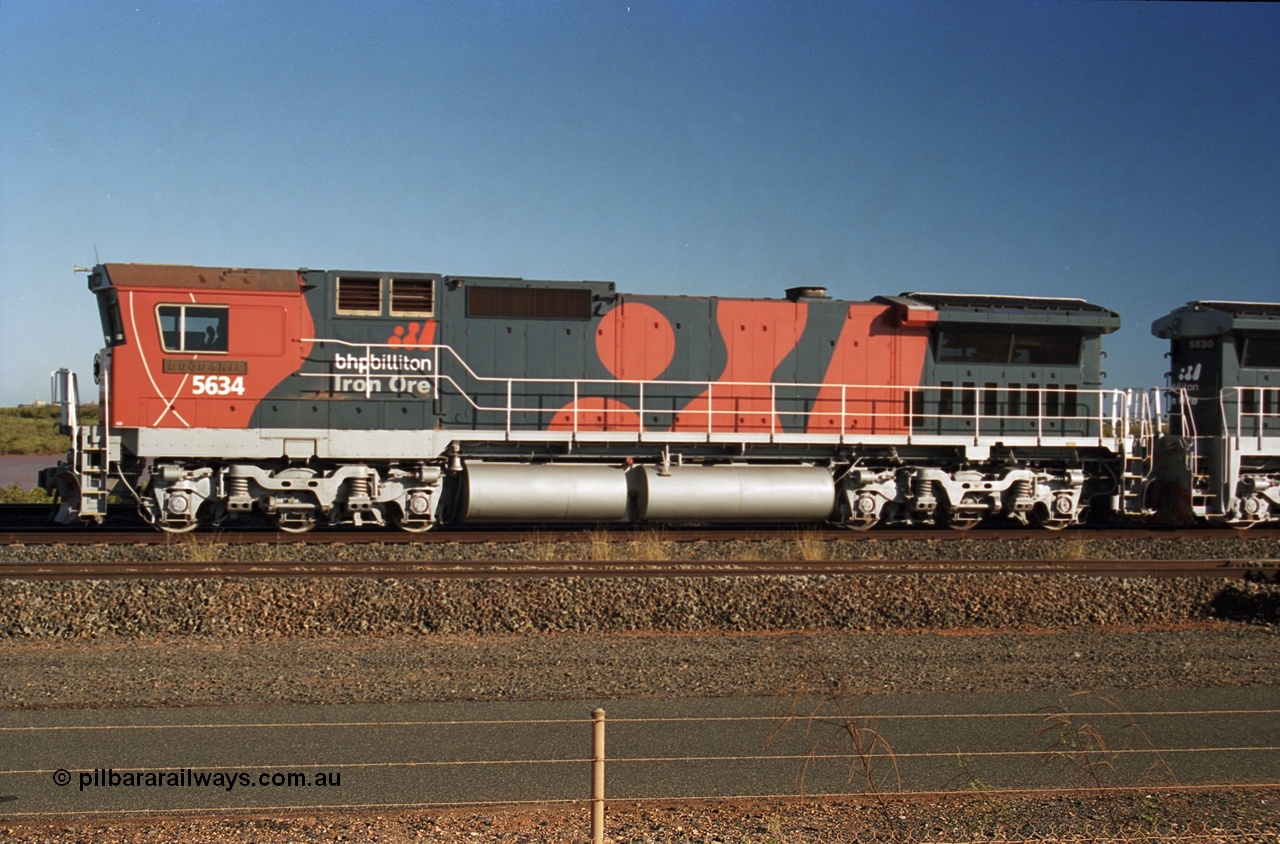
(145, 535)
(1260, 570)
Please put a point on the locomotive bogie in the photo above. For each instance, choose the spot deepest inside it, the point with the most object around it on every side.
(963, 498)
(1257, 500)
(177, 496)
(180, 497)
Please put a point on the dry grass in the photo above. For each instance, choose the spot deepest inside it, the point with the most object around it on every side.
(654, 545)
(810, 547)
(1074, 549)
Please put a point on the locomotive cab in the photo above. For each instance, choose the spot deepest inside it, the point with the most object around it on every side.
(1011, 367)
(1018, 379)
(189, 352)
(1220, 456)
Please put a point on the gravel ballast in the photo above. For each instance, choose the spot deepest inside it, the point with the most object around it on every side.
(381, 607)
(353, 640)
(44, 674)
(668, 545)
(1141, 818)
(354, 606)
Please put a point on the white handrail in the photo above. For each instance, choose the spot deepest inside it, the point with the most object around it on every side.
(901, 418)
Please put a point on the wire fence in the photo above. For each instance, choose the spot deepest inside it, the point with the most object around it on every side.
(1098, 802)
(1062, 774)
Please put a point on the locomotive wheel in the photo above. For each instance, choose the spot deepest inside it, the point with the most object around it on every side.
(859, 524)
(409, 525)
(414, 516)
(1054, 517)
(295, 521)
(1054, 524)
(170, 523)
(862, 516)
(1042, 519)
(179, 527)
(957, 519)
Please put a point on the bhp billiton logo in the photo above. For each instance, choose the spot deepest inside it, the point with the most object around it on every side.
(413, 336)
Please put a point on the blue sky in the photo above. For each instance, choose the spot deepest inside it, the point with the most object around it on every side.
(1124, 153)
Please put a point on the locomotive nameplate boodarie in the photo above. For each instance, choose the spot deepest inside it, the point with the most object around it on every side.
(207, 367)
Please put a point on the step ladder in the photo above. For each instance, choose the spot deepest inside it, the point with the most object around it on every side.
(92, 467)
(1201, 496)
(1138, 462)
(84, 477)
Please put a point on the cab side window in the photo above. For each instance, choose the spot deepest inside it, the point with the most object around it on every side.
(192, 328)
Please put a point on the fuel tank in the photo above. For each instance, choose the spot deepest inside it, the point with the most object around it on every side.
(735, 493)
(519, 492)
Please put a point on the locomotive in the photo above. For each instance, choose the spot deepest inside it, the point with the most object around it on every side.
(419, 400)
(1220, 457)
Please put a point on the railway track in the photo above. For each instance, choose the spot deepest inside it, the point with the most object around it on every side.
(14, 532)
(31, 524)
(148, 537)
(1249, 569)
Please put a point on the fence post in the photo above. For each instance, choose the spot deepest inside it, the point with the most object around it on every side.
(597, 777)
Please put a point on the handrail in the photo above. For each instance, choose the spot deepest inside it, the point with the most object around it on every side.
(1188, 420)
(904, 414)
(1253, 404)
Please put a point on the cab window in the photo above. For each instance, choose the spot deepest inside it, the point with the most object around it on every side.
(1261, 353)
(1046, 349)
(109, 313)
(192, 328)
(972, 347)
(1003, 347)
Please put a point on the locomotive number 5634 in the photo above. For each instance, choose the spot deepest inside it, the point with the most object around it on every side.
(217, 385)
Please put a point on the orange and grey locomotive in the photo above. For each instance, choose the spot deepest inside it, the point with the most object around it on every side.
(418, 399)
